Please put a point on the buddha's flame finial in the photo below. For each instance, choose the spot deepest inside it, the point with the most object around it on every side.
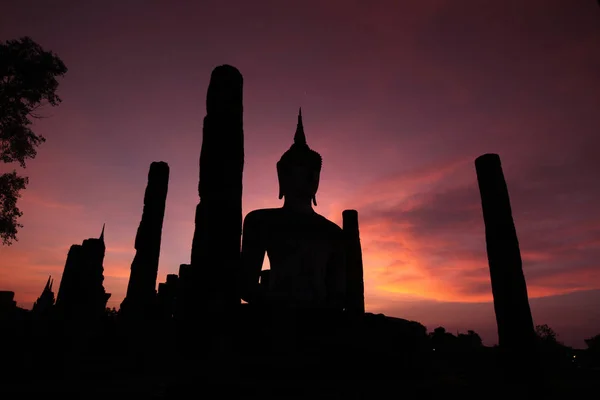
(102, 233)
(299, 137)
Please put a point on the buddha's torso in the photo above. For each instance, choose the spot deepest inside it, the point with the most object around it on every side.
(301, 249)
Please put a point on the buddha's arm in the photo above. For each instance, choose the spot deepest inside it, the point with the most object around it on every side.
(253, 254)
(336, 277)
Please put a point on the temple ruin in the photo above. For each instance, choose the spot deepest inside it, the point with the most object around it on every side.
(311, 300)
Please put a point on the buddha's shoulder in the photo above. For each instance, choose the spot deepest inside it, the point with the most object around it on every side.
(263, 215)
(267, 215)
(330, 226)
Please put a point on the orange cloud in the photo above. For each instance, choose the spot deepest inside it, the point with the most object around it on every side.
(423, 237)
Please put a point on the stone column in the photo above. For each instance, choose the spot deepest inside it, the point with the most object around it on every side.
(92, 295)
(216, 243)
(8, 307)
(511, 304)
(355, 288)
(43, 305)
(141, 290)
(81, 294)
(68, 289)
(166, 296)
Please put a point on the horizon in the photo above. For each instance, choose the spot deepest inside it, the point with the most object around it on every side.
(398, 115)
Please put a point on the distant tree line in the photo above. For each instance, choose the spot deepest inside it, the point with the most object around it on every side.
(546, 336)
(442, 340)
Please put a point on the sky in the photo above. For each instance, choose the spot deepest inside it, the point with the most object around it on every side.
(398, 97)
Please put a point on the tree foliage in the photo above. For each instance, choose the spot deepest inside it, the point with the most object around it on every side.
(28, 81)
(443, 340)
(10, 186)
(470, 340)
(593, 343)
(545, 333)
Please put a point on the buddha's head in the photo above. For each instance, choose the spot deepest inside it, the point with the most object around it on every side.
(299, 169)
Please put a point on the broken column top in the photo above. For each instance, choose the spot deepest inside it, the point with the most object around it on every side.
(159, 167)
(226, 71)
(487, 160)
(75, 248)
(350, 219)
(224, 90)
(184, 269)
(350, 214)
(7, 295)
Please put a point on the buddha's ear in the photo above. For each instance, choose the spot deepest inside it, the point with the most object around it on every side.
(316, 182)
(279, 180)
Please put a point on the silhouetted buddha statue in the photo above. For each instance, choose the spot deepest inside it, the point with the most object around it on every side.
(305, 249)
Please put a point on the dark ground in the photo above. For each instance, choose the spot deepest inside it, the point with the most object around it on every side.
(256, 358)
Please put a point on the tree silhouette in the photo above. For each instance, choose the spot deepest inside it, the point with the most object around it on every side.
(10, 186)
(27, 82)
(111, 312)
(441, 340)
(545, 333)
(593, 343)
(552, 352)
(470, 340)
